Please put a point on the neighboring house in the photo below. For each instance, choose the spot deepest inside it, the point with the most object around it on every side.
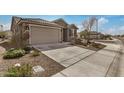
(1, 28)
(34, 31)
(93, 35)
(96, 35)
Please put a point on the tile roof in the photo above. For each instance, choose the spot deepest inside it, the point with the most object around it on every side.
(38, 21)
(73, 26)
(60, 19)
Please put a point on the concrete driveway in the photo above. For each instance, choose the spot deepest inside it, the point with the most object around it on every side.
(84, 62)
(68, 55)
(101, 63)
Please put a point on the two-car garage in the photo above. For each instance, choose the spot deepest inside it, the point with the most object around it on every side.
(44, 34)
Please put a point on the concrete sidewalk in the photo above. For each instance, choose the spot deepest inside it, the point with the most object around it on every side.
(120, 72)
(94, 65)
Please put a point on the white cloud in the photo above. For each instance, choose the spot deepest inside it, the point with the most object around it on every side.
(80, 28)
(121, 28)
(103, 21)
(111, 31)
(6, 26)
(115, 30)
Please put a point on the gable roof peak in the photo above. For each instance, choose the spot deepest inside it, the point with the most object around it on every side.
(73, 26)
(60, 20)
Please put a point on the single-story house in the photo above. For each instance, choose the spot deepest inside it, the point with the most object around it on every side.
(92, 35)
(35, 31)
(96, 35)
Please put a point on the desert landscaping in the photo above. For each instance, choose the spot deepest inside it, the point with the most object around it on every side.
(28, 50)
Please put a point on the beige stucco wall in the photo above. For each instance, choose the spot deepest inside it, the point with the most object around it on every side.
(44, 35)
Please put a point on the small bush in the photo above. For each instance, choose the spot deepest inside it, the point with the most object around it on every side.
(14, 53)
(27, 49)
(110, 38)
(35, 53)
(72, 40)
(97, 45)
(24, 70)
(78, 41)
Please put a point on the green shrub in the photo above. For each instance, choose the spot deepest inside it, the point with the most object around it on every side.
(35, 53)
(14, 53)
(27, 49)
(24, 70)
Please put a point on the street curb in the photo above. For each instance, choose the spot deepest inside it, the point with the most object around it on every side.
(113, 67)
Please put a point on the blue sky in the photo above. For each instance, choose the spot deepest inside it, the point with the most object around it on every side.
(107, 24)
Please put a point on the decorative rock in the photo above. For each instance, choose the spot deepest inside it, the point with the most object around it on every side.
(38, 69)
(31, 51)
(17, 65)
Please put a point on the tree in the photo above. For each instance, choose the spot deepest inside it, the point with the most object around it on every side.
(83, 34)
(88, 25)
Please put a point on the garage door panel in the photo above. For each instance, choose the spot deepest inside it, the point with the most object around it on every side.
(44, 35)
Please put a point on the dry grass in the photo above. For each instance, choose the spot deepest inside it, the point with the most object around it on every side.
(51, 67)
(7, 45)
(94, 46)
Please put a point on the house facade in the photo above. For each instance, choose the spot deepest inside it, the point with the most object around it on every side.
(69, 30)
(96, 35)
(93, 35)
(32, 31)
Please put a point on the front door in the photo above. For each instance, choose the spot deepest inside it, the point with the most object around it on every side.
(65, 35)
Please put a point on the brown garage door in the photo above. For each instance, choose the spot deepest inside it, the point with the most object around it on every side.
(44, 35)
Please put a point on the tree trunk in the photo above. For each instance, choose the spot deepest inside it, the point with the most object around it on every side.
(88, 37)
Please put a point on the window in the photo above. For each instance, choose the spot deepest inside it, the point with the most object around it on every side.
(26, 27)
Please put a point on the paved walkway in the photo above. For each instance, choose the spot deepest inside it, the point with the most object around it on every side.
(93, 64)
(2, 50)
(120, 72)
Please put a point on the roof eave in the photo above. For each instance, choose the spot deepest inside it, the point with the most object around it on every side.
(38, 23)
